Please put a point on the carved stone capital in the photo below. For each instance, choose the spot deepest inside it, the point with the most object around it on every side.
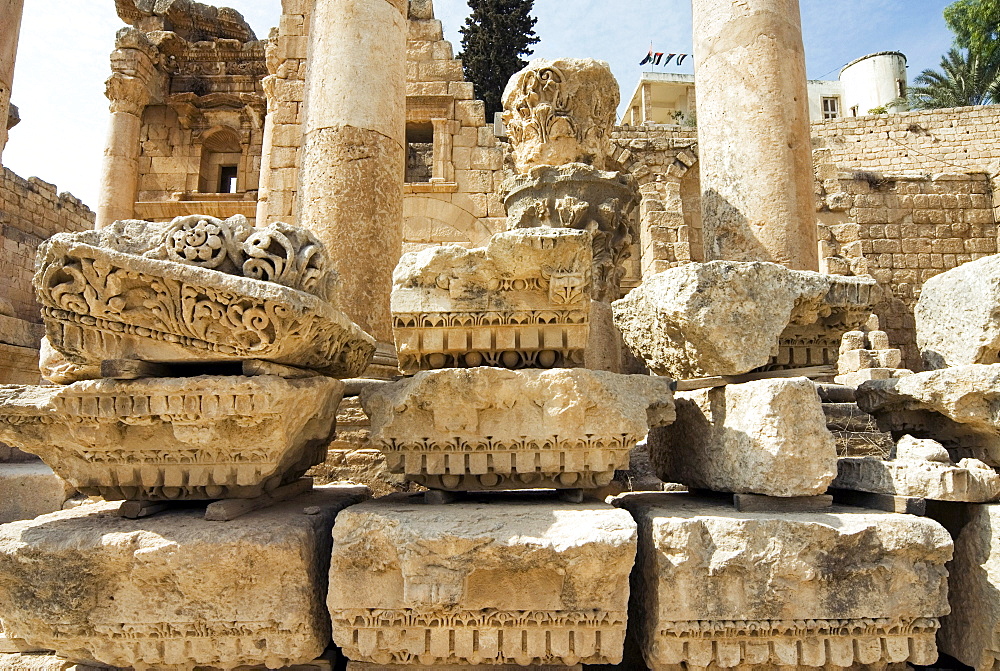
(127, 94)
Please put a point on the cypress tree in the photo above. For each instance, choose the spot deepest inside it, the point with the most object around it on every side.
(494, 38)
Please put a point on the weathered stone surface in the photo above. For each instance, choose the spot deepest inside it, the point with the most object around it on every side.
(581, 197)
(728, 318)
(765, 437)
(716, 588)
(521, 301)
(353, 156)
(921, 468)
(959, 407)
(173, 591)
(196, 289)
(866, 355)
(561, 111)
(489, 428)
(969, 633)
(174, 438)
(192, 20)
(521, 581)
(755, 167)
(956, 315)
(30, 489)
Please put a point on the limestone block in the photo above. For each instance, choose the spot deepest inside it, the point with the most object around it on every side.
(30, 489)
(728, 318)
(173, 592)
(970, 633)
(585, 198)
(959, 407)
(970, 480)
(528, 582)
(561, 111)
(196, 289)
(718, 588)
(956, 315)
(765, 437)
(514, 429)
(175, 438)
(521, 301)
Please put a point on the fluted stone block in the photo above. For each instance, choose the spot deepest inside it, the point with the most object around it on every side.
(718, 588)
(523, 581)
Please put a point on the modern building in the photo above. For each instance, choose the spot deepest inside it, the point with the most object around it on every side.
(866, 84)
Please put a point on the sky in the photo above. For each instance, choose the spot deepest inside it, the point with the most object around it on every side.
(62, 59)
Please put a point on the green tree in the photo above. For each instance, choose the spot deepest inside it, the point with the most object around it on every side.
(976, 24)
(970, 71)
(494, 38)
(964, 79)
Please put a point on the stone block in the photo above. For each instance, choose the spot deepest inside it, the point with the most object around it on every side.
(563, 428)
(30, 489)
(971, 633)
(521, 301)
(173, 592)
(959, 407)
(728, 318)
(717, 588)
(920, 468)
(765, 437)
(196, 289)
(955, 316)
(498, 581)
(205, 437)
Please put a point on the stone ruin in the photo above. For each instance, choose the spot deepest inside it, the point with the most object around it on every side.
(197, 366)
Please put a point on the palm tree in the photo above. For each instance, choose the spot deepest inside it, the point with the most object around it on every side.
(966, 78)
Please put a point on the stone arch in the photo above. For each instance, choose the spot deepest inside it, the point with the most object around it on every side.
(428, 220)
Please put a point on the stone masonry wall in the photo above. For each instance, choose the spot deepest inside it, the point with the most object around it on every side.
(903, 230)
(962, 139)
(30, 211)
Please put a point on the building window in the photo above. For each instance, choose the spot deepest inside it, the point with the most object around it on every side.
(831, 108)
(901, 87)
(221, 155)
(854, 111)
(227, 178)
(419, 152)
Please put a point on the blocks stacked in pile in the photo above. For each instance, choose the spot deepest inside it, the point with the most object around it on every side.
(756, 566)
(497, 338)
(946, 457)
(194, 361)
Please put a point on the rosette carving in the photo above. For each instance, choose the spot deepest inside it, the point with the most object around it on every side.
(287, 255)
(206, 242)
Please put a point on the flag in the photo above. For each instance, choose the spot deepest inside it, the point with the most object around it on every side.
(648, 58)
(680, 59)
(657, 58)
(669, 58)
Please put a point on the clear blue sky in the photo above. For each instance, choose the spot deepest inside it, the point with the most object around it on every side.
(63, 59)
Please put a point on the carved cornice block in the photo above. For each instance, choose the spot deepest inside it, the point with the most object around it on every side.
(522, 301)
(718, 588)
(173, 592)
(175, 438)
(729, 318)
(197, 289)
(525, 582)
(488, 428)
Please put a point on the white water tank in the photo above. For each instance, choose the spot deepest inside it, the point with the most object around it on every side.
(873, 81)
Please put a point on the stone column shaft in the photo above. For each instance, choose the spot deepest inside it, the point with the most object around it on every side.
(10, 30)
(753, 132)
(120, 172)
(353, 163)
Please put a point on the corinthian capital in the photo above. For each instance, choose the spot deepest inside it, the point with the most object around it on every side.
(127, 94)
